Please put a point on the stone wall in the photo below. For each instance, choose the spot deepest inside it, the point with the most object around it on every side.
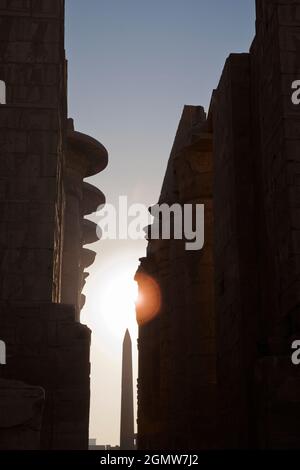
(255, 127)
(235, 251)
(47, 348)
(32, 64)
(275, 65)
(21, 410)
(218, 354)
(46, 344)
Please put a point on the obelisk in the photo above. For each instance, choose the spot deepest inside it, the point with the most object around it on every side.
(127, 419)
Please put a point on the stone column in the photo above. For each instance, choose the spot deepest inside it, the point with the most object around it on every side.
(85, 157)
(177, 371)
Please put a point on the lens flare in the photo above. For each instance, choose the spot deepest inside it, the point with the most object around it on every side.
(148, 303)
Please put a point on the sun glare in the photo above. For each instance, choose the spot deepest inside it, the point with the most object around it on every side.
(113, 304)
(148, 302)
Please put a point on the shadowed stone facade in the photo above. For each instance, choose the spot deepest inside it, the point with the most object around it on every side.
(177, 350)
(21, 408)
(43, 202)
(226, 379)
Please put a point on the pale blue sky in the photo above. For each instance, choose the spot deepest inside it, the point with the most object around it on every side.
(133, 65)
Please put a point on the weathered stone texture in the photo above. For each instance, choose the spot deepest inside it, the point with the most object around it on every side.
(45, 347)
(177, 399)
(21, 411)
(275, 65)
(260, 184)
(235, 254)
(31, 130)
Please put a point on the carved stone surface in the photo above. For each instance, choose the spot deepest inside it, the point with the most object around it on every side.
(21, 411)
(85, 156)
(46, 347)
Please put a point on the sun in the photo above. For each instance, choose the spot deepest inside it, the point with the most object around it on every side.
(111, 303)
(118, 301)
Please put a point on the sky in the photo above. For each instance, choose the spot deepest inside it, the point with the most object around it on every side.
(133, 65)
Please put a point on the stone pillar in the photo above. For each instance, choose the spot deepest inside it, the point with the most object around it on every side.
(85, 157)
(235, 252)
(274, 66)
(193, 280)
(152, 406)
(177, 357)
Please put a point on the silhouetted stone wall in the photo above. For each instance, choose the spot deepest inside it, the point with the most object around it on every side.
(47, 348)
(21, 410)
(275, 65)
(31, 135)
(235, 253)
(43, 164)
(231, 381)
(177, 354)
